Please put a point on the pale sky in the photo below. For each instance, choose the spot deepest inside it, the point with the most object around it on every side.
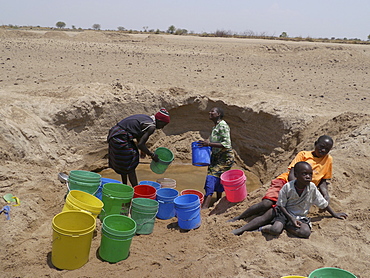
(314, 18)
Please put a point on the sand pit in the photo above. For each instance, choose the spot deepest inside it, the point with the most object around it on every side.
(61, 94)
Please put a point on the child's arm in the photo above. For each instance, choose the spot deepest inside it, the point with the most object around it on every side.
(292, 219)
(323, 187)
(339, 215)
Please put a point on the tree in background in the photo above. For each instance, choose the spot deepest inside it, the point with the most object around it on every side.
(120, 28)
(96, 26)
(171, 29)
(368, 37)
(284, 35)
(60, 24)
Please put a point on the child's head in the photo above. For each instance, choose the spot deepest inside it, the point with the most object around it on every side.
(303, 173)
(323, 146)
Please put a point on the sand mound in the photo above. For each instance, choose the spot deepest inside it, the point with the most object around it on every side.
(91, 36)
(56, 35)
(155, 38)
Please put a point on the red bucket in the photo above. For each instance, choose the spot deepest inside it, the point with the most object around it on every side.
(145, 191)
(234, 185)
(193, 191)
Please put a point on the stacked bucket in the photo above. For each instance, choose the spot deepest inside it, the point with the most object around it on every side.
(234, 185)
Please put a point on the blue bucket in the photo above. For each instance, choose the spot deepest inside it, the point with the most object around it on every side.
(201, 156)
(99, 192)
(156, 185)
(165, 197)
(187, 209)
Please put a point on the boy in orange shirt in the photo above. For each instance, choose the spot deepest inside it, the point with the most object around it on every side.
(321, 163)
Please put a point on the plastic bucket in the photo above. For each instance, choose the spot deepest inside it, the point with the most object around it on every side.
(117, 233)
(234, 185)
(99, 192)
(72, 235)
(331, 272)
(117, 199)
(232, 177)
(167, 183)
(193, 191)
(156, 185)
(145, 191)
(84, 176)
(79, 200)
(165, 197)
(294, 276)
(165, 157)
(187, 209)
(201, 156)
(143, 211)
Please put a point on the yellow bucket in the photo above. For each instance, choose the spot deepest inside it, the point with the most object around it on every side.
(72, 236)
(80, 200)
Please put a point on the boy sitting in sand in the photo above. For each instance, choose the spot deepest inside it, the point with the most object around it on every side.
(293, 205)
(321, 163)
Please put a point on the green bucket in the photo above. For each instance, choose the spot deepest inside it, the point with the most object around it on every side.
(144, 211)
(117, 233)
(331, 272)
(116, 198)
(88, 187)
(165, 158)
(84, 176)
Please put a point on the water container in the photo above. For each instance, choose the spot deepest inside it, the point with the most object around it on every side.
(188, 211)
(165, 157)
(165, 198)
(201, 156)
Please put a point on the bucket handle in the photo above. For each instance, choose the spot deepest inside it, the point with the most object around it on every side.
(188, 219)
(163, 202)
(119, 239)
(112, 197)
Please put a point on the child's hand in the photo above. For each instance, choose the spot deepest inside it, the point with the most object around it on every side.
(340, 215)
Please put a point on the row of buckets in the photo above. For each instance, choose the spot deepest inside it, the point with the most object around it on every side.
(124, 211)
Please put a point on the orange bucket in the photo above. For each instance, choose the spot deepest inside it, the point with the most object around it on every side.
(193, 191)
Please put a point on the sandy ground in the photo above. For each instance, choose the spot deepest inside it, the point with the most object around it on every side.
(60, 92)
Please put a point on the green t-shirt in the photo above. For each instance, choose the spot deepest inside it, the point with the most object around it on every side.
(221, 134)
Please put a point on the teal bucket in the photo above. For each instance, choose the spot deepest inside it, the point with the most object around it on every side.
(144, 211)
(165, 157)
(116, 198)
(188, 211)
(331, 272)
(85, 181)
(117, 234)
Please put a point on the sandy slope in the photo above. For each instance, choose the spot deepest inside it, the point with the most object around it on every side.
(60, 93)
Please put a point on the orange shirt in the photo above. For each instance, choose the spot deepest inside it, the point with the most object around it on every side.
(321, 166)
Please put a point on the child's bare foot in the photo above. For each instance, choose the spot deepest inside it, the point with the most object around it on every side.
(237, 232)
(265, 228)
(233, 219)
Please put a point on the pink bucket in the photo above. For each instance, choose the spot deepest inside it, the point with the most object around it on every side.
(234, 185)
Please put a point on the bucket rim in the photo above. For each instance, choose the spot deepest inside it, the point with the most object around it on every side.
(193, 199)
(97, 203)
(116, 232)
(330, 268)
(81, 232)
